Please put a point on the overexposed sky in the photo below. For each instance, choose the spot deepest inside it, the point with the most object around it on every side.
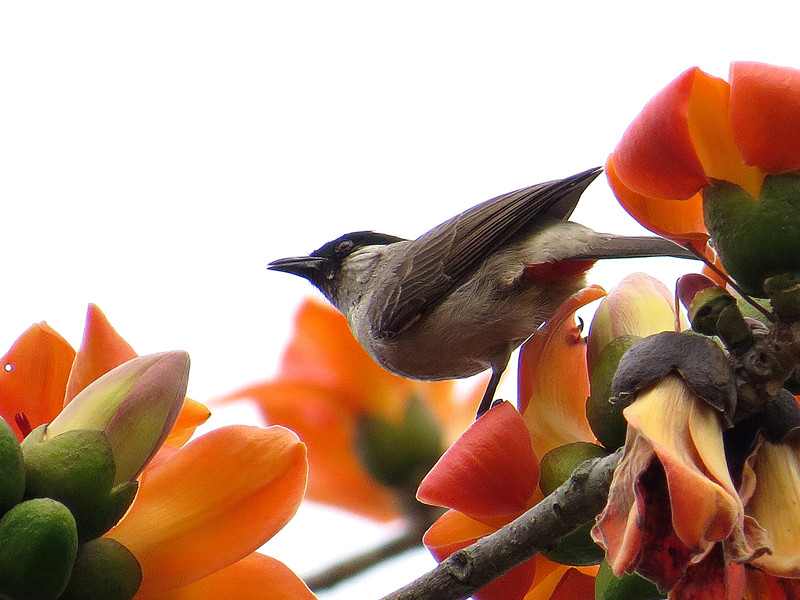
(155, 156)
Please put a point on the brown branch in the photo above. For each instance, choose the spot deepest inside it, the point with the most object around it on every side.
(464, 572)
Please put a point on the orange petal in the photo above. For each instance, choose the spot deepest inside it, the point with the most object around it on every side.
(256, 576)
(491, 470)
(553, 379)
(454, 531)
(679, 221)
(336, 475)
(324, 351)
(564, 583)
(213, 502)
(765, 113)
(712, 135)
(656, 156)
(686, 435)
(34, 375)
(192, 415)
(101, 350)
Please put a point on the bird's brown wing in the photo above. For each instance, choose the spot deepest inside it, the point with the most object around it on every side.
(440, 259)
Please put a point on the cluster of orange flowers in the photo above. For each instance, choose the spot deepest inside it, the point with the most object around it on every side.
(692, 511)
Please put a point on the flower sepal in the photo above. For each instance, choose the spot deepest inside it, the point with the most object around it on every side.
(756, 238)
(105, 569)
(77, 469)
(38, 545)
(12, 470)
(398, 454)
(784, 295)
(698, 360)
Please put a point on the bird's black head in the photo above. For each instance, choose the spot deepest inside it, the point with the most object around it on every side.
(321, 266)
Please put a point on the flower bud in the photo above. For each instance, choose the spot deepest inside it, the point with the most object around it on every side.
(640, 305)
(38, 544)
(105, 569)
(77, 469)
(135, 405)
(12, 473)
(399, 455)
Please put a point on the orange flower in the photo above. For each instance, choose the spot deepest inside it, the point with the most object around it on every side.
(192, 540)
(490, 475)
(701, 128)
(327, 388)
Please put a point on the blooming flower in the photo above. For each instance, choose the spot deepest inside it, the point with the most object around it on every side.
(721, 149)
(192, 540)
(337, 399)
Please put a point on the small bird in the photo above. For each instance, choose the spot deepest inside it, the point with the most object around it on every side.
(462, 297)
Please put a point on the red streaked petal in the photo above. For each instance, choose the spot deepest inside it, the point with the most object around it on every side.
(33, 376)
(491, 470)
(553, 379)
(765, 114)
(679, 221)
(656, 156)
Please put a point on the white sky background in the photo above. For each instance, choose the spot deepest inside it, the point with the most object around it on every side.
(155, 156)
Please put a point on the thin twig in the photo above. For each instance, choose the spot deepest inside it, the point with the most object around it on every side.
(464, 572)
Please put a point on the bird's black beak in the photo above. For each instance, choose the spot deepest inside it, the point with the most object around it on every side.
(308, 267)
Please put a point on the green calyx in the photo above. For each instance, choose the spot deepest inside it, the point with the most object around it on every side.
(77, 469)
(399, 454)
(12, 470)
(756, 238)
(38, 545)
(105, 569)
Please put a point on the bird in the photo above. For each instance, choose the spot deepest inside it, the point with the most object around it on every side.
(459, 299)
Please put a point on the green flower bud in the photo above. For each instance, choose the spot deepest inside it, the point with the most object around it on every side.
(104, 569)
(12, 472)
(38, 544)
(135, 404)
(400, 454)
(77, 469)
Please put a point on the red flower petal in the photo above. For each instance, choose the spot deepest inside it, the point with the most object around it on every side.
(491, 470)
(765, 114)
(656, 156)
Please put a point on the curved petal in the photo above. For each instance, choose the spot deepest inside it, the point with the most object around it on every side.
(33, 377)
(192, 415)
(564, 583)
(553, 380)
(656, 156)
(775, 503)
(765, 114)
(454, 531)
(679, 221)
(336, 475)
(102, 349)
(213, 502)
(491, 470)
(262, 577)
(712, 135)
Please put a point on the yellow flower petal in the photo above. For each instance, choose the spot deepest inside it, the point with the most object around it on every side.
(775, 504)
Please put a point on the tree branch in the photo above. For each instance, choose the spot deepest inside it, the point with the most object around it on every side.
(464, 572)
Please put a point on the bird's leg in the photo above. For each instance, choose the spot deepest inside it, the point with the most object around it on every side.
(488, 395)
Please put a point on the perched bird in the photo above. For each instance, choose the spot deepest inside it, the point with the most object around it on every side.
(463, 296)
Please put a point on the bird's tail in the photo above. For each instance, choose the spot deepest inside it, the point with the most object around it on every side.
(616, 246)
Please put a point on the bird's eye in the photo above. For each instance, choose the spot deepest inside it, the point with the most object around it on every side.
(344, 247)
